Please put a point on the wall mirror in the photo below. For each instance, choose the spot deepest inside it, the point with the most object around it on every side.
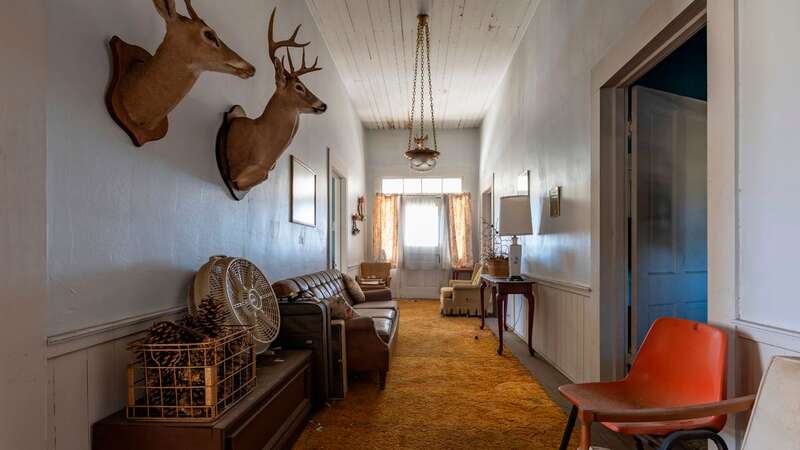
(303, 203)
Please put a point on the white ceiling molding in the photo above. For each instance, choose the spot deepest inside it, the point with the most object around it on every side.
(372, 43)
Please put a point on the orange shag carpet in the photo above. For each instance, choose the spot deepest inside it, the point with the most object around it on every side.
(445, 389)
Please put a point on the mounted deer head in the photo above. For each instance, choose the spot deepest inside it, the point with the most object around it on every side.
(145, 88)
(247, 149)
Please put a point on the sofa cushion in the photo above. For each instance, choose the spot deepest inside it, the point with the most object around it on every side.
(382, 313)
(378, 295)
(390, 304)
(353, 289)
(340, 308)
(384, 328)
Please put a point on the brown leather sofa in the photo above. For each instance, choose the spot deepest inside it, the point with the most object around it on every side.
(371, 337)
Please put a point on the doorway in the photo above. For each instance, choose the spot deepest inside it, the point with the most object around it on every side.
(337, 211)
(666, 198)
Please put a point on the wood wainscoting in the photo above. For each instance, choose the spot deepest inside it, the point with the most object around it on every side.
(563, 329)
(86, 377)
(755, 346)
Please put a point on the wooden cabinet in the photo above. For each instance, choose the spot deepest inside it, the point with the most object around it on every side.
(272, 416)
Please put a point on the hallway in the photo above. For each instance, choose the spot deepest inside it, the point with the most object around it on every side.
(447, 388)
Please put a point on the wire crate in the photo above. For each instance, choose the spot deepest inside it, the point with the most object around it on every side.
(191, 382)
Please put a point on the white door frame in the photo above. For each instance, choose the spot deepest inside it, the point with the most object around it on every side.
(335, 169)
(661, 29)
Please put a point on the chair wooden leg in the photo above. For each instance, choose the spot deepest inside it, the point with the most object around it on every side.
(585, 442)
(382, 379)
(586, 436)
(573, 414)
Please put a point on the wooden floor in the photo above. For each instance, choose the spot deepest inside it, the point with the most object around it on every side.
(550, 379)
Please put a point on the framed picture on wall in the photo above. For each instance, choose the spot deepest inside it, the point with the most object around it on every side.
(303, 202)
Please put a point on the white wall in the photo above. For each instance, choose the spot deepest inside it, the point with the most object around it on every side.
(384, 158)
(540, 120)
(23, 277)
(769, 94)
(767, 308)
(127, 227)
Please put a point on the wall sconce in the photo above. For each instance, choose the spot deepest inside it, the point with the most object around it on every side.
(358, 216)
(555, 201)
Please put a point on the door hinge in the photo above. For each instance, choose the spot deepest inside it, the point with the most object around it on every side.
(628, 359)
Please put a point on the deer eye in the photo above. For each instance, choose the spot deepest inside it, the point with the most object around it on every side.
(210, 36)
(299, 88)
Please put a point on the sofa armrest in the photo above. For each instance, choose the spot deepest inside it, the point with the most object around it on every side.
(362, 323)
(465, 287)
(378, 295)
(454, 283)
(365, 349)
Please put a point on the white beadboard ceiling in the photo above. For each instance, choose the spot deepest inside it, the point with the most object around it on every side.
(372, 43)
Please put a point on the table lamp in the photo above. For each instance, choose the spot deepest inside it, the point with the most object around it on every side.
(515, 220)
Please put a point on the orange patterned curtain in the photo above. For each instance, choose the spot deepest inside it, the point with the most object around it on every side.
(386, 227)
(459, 210)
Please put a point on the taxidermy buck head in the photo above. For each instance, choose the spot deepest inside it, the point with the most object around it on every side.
(247, 149)
(148, 88)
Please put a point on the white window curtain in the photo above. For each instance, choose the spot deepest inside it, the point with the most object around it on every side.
(424, 236)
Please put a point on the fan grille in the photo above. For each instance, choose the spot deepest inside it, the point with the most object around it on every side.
(249, 295)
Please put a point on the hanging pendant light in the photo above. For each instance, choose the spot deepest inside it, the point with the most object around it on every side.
(422, 158)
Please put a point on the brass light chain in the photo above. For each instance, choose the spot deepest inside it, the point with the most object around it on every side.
(430, 83)
(422, 63)
(414, 88)
(420, 51)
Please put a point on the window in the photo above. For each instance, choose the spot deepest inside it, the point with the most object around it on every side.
(423, 232)
(451, 186)
(429, 186)
(421, 225)
(412, 186)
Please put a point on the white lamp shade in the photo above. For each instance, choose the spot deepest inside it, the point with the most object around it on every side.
(515, 215)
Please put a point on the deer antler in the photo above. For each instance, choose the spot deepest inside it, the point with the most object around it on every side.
(192, 13)
(303, 68)
(291, 42)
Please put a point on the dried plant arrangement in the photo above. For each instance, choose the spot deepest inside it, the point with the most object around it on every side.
(494, 252)
(191, 370)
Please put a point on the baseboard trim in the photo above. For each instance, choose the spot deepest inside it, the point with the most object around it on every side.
(76, 340)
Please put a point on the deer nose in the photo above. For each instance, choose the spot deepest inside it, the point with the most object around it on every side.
(248, 71)
(321, 108)
(242, 69)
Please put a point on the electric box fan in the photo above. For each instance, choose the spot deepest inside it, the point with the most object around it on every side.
(249, 297)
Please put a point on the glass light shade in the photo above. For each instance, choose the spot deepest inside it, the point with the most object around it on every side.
(422, 159)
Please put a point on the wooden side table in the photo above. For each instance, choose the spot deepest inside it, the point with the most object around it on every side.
(501, 288)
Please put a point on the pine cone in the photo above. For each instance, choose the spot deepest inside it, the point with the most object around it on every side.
(211, 317)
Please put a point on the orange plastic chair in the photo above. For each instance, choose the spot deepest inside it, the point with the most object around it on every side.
(674, 392)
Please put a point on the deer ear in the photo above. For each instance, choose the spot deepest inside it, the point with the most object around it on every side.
(280, 73)
(166, 9)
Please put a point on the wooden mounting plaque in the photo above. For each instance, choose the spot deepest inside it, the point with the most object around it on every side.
(222, 154)
(124, 57)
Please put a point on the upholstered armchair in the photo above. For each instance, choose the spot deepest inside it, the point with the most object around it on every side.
(375, 275)
(462, 297)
